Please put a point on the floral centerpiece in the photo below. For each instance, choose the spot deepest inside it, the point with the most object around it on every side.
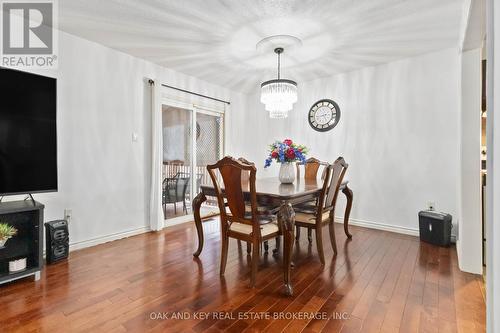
(286, 153)
(6, 232)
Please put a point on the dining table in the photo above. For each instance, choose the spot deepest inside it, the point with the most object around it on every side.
(272, 193)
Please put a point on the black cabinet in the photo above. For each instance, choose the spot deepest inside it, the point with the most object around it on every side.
(27, 218)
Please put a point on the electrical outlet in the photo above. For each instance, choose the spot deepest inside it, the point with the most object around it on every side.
(67, 214)
(431, 205)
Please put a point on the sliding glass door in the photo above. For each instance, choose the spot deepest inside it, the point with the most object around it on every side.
(177, 158)
(193, 137)
(209, 149)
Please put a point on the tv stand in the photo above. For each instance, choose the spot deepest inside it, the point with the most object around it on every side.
(27, 217)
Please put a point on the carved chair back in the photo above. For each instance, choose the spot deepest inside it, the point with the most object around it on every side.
(245, 175)
(232, 173)
(334, 175)
(311, 168)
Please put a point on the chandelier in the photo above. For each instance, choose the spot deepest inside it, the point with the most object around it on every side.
(278, 95)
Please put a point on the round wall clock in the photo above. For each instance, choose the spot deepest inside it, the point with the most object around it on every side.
(324, 115)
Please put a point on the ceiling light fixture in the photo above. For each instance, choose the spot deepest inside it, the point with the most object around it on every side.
(278, 95)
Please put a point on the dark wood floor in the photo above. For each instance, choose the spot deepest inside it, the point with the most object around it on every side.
(379, 282)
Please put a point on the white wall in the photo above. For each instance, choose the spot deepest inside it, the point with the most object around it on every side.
(103, 97)
(398, 131)
(469, 243)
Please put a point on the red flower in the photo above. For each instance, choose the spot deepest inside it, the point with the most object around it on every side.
(288, 142)
(290, 153)
(274, 154)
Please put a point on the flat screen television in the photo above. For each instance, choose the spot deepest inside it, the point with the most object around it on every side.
(28, 136)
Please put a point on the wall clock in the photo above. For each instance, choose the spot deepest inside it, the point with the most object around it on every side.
(324, 115)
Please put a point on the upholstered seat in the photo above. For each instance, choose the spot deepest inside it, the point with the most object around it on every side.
(265, 229)
(310, 218)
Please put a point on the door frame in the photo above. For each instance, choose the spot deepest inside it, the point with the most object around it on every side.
(194, 109)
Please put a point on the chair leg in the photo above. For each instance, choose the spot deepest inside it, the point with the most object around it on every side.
(319, 244)
(297, 232)
(278, 244)
(331, 226)
(184, 206)
(266, 246)
(223, 257)
(249, 247)
(175, 208)
(164, 211)
(309, 235)
(255, 263)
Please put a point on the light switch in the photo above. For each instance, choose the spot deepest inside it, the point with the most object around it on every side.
(135, 137)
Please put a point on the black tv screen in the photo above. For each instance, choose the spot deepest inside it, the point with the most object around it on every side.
(28, 138)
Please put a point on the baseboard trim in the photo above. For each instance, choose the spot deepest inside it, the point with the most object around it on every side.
(380, 226)
(386, 227)
(338, 219)
(108, 238)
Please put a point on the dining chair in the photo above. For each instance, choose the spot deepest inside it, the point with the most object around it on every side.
(238, 222)
(245, 176)
(174, 191)
(324, 212)
(310, 168)
(198, 178)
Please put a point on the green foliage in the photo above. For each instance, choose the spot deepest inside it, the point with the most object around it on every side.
(7, 231)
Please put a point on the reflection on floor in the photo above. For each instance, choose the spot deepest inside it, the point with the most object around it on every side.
(170, 211)
(379, 281)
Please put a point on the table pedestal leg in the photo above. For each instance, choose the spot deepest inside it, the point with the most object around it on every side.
(348, 193)
(198, 200)
(286, 217)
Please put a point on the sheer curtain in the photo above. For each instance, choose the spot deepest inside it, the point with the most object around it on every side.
(156, 215)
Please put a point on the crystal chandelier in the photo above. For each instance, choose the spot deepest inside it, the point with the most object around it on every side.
(278, 95)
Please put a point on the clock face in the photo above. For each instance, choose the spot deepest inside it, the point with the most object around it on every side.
(324, 115)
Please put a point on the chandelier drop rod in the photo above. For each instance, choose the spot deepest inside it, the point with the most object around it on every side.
(279, 51)
(279, 64)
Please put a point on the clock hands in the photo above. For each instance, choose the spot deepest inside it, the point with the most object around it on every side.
(324, 115)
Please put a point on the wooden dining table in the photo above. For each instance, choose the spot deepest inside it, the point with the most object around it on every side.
(271, 193)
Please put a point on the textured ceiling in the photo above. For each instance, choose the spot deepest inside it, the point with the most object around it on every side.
(216, 40)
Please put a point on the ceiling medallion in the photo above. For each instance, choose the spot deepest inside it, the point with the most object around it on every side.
(278, 95)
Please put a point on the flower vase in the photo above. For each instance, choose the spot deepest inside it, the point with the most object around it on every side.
(287, 173)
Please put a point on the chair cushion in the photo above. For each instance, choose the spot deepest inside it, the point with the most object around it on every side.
(310, 218)
(265, 229)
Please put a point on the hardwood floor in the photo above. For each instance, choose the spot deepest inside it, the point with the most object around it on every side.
(170, 212)
(379, 282)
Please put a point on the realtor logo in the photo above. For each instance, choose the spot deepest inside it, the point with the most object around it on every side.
(28, 33)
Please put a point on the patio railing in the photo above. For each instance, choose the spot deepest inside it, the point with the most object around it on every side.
(170, 169)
